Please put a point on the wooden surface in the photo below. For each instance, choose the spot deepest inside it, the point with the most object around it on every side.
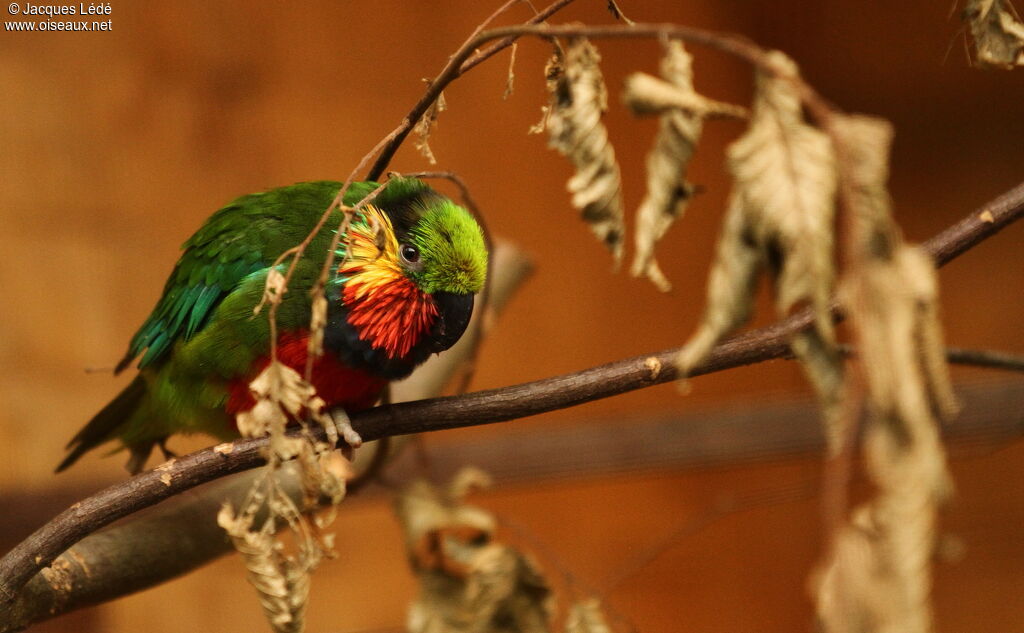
(117, 145)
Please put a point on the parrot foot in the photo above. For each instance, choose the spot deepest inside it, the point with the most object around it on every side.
(168, 453)
(138, 455)
(345, 430)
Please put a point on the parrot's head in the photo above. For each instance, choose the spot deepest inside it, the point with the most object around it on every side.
(410, 266)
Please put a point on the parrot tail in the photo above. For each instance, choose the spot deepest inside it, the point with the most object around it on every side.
(102, 426)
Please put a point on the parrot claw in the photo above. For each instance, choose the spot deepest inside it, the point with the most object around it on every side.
(137, 457)
(168, 453)
(345, 430)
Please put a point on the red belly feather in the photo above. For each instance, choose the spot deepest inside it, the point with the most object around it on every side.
(335, 382)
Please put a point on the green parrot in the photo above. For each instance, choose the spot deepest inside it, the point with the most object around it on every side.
(401, 289)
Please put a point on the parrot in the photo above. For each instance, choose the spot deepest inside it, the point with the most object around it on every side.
(402, 288)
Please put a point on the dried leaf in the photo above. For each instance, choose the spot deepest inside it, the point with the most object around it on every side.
(668, 192)
(423, 509)
(780, 215)
(426, 125)
(646, 95)
(282, 394)
(317, 323)
(613, 8)
(894, 305)
(878, 577)
(279, 392)
(867, 141)
(554, 71)
(468, 582)
(273, 289)
(785, 173)
(851, 598)
(880, 571)
(267, 569)
(894, 293)
(731, 285)
(578, 100)
(466, 480)
(998, 34)
(282, 582)
(540, 126)
(510, 80)
(586, 616)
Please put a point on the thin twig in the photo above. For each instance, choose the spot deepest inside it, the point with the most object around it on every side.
(985, 358)
(325, 270)
(484, 407)
(989, 359)
(462, 60)
(387, 146)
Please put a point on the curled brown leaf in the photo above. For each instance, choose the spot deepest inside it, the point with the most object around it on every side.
(469, 581)
(586, 616)
(668, 192)
(997, 32)
(578, 98)
(780, 217)
(425, 126)
(878, 574)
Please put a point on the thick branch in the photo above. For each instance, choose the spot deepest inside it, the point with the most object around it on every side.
(171, 541)
(485, 407)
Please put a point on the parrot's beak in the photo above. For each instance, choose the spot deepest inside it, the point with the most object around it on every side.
(454, 312)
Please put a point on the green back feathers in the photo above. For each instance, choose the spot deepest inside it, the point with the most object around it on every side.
(451, 245)
(241, 239)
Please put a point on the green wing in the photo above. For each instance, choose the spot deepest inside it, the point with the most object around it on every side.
(242, 238)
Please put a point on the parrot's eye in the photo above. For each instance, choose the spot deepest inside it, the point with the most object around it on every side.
(410, 254)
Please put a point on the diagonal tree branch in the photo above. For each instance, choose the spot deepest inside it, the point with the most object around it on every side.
(183, 534)
(484, 407)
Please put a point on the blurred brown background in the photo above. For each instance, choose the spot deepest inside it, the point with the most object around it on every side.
(117, 145)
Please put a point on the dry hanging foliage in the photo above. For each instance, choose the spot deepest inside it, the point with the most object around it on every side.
(586, 616)
(668, 192)
(426, 125)
(878, 576)
(469, 583)
(282, 585)
(510, 78)
(281, 394)
(780, 217)
(880, 567)
(577, 100)
(682, 113)
(317, 325)
(617, 13)
(997, 32)
(910, 272)
(282, 580)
